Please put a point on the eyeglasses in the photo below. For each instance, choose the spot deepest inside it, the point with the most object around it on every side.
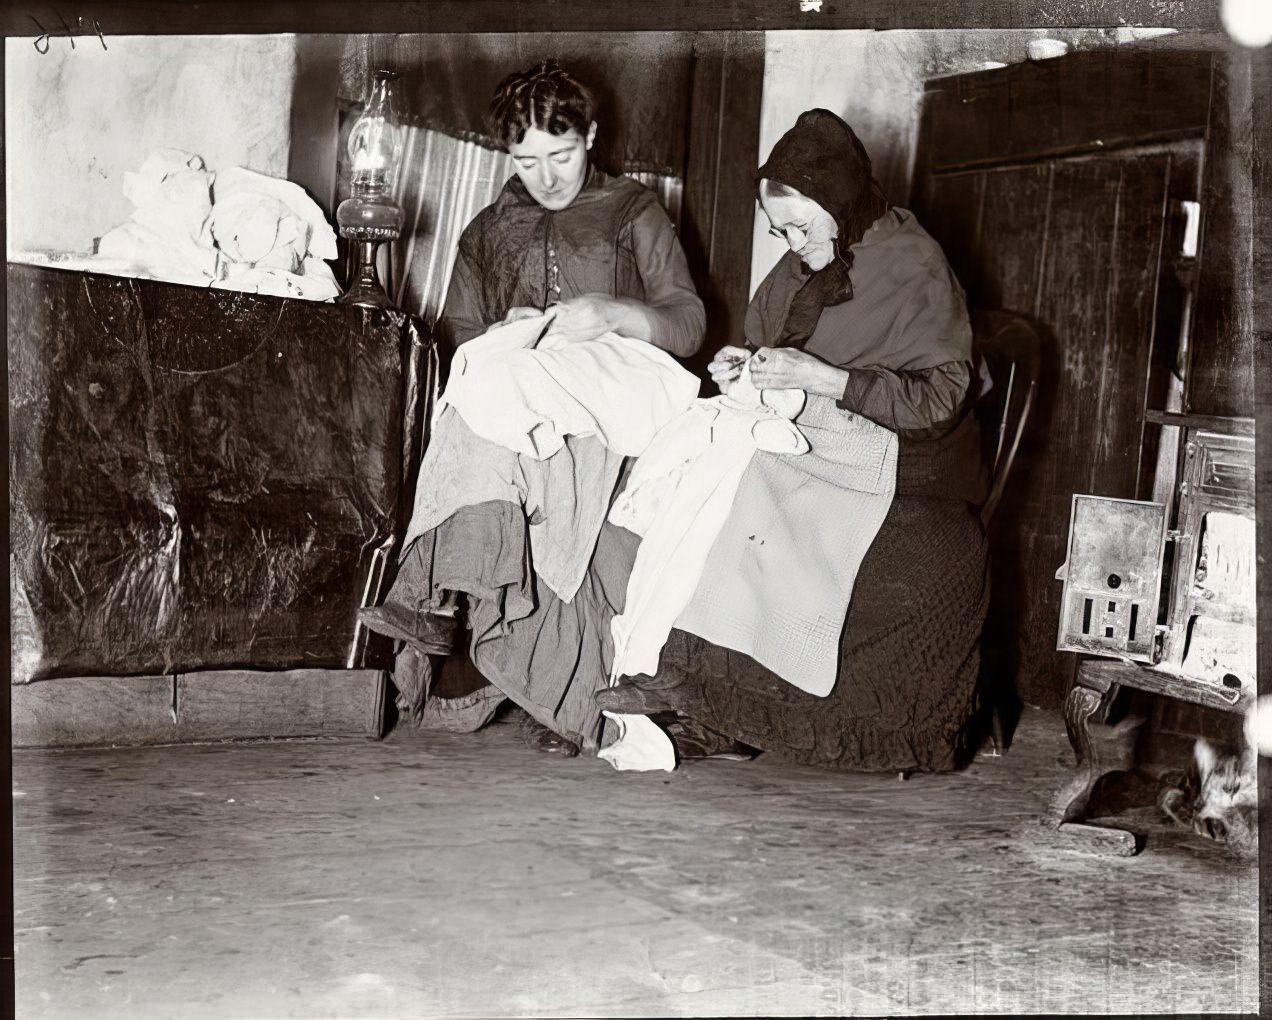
(800, 232)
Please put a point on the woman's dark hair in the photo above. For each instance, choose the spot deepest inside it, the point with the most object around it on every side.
(546, 97)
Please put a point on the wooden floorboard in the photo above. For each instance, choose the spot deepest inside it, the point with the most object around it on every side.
(214, 705)
(445, 875)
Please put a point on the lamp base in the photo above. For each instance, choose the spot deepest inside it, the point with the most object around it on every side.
(367, 297)
(364, 289)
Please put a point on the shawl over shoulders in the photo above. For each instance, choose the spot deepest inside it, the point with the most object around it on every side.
(904, 337)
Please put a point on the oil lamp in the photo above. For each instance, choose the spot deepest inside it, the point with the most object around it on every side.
(369, 216)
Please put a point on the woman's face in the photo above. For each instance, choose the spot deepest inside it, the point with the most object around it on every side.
(803, 224)
(552, 167)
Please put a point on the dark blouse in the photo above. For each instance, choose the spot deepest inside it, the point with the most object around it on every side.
(614, 239)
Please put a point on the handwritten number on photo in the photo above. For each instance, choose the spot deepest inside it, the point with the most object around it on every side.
(42, 43)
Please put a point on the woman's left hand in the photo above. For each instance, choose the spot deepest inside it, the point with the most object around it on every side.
(784, 368)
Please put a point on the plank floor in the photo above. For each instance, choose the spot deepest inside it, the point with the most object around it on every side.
(433, 875)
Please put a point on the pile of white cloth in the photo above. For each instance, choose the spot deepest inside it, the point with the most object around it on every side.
(234, 229)
(520, 388)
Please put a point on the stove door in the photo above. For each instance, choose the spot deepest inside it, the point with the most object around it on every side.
(1112, 577)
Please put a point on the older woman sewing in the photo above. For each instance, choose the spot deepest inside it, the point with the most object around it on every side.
(865, 317)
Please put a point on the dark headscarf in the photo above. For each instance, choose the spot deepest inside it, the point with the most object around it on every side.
(822, 159)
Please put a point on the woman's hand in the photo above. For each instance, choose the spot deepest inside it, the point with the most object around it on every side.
(727, 364)
(785, 368)
(585, 318)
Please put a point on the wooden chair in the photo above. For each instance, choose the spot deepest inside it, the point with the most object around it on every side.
(1008, 345)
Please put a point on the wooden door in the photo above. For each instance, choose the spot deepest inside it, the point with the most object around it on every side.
(1057, 191)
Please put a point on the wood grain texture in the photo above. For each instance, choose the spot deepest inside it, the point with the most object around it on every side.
(1101, 673)
(214, 705)
(150, 17)
(92, 711)
(236, 704)
(1221, 376)
(719, 195)
(1077, 241)
(991, 117)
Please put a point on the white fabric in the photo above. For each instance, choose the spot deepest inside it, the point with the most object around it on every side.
(640, 747)
(564, 497)
(518, 388)
(522, 387)
(778, 579)
(166, 237)
(677, 499)
(233, 229)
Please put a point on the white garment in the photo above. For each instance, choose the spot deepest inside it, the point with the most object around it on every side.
(520, 386)
(272, 237)
(779, 577)
(677, 499)
(233, 229)
(166, 237)
(515, 388)
(641, 746)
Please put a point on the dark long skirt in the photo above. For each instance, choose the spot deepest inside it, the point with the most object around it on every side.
(910, 650)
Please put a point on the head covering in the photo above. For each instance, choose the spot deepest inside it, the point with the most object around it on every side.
(823, 159)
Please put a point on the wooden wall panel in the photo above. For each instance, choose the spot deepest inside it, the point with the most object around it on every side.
(190, 707)
(1137, 233)
(719, 197)
(1076, 244)
(1052, 203)
(1011, 240)
(1101, 99)
(1221, 377)
(959, 198)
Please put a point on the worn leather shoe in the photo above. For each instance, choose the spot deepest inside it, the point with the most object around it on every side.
(630, 697)
(538, 736)
(431, 633)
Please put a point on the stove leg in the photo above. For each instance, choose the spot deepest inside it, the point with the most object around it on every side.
(1082, 706)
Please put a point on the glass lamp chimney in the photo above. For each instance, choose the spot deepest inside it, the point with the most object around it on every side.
(369, 216)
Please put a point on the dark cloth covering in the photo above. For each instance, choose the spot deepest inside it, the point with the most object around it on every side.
(157, 433)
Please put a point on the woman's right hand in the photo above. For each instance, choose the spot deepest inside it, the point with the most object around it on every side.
(727, 364)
